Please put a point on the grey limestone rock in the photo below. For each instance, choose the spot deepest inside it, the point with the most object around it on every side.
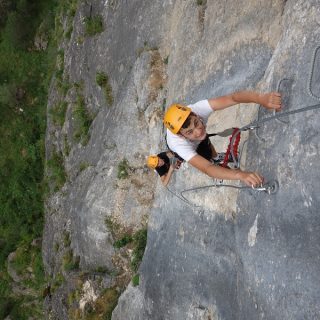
(244, 255)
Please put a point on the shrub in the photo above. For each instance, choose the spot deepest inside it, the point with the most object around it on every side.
(103, 81)
(66, 146)
(69, 262)
(112, 226)
(135, 280)
(93, 25)
(57, 282)
(123, 169)
(123, 241)
(201, 2)
(104, 305)
(58, 113)
(66, 239)
(83, 166)
(83, 121)
(140, 242)
(57, 174)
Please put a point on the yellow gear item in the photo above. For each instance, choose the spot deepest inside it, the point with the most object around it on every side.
(175, 116)
(152, 161)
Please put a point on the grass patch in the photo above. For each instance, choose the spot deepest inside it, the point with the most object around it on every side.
(101, 269)
(123, 169)
(201, 2)
(140, 242)
(56, 247)
(56, 172)
(69, 262)
(66, 239)
(57, 282)
(83, 121)
(93, 25)
(135, 280)
(103, 81)
(58, 113)
(123, 241)
(29, 257)
(104, 305)
(113, 226)
(83, 166)
(66, 146)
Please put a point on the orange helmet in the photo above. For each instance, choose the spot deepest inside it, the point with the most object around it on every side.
(152, 161)
(175, 116)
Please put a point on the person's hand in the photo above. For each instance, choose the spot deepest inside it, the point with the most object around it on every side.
(271, 100)
(251, 179)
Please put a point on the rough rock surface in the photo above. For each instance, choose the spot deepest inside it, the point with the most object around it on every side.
(243, 255)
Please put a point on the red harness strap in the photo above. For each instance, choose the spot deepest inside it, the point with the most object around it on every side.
(234, 147)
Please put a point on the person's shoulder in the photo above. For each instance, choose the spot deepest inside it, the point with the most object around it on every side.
(173, 137)
(202, 104)
(201, 108)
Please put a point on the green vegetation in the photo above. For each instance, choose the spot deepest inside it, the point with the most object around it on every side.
(66, 10)
(83, 166)
(135, 280)
(69, 262)
(201, 2)
(123, 241)
(93, 25)
(102, 270)
(66, 146)
(104, 305)
(62, 81)
(83, 120)
(103, 81)
(56, 172)
(123, 237)
(112, 226)
(58, 113)
(139, 242)
(57, 282)
(29, 34)
(123, 169)
(66, 239)
(56, 247)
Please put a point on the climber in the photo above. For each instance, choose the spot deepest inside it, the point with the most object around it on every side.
(187, 136)
(164, 163)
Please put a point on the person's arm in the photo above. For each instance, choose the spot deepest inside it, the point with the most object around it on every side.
(271, 100)
(213, 171)
(166, 177)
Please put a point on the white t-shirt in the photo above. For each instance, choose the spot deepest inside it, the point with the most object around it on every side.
(184, 148)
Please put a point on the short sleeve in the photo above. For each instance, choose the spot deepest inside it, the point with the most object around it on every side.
(202, 108)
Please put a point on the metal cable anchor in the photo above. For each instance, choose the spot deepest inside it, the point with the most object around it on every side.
(270, 187)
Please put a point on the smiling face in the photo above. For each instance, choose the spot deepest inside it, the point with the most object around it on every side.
(195, 131)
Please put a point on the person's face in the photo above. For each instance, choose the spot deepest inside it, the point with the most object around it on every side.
(160, 163)
(196, 131)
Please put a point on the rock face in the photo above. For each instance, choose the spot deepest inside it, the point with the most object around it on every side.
(241, 255)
